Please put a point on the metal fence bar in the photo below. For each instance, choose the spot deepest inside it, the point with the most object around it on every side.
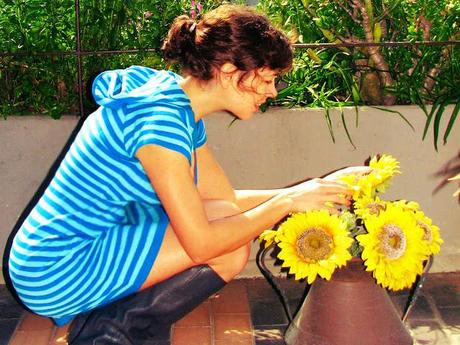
(375, 44)
(82, 52)
(79, 62)
(296, 46)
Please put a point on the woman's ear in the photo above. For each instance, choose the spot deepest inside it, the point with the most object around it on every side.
(228, 68)
(226, 74)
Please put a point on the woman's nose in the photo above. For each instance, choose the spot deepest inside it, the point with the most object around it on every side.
(272, 92)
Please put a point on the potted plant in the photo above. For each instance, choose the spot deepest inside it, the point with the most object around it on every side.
(390, 239)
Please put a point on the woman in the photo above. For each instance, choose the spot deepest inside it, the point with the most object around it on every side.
(139, 204)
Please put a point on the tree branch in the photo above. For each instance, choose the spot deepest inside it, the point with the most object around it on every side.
(351, 14)
(375, 54)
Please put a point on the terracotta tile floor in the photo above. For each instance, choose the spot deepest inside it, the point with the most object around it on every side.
(248, 312)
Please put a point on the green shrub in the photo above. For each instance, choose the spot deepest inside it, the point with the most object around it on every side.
(326, 78)
(345, 76)
(33, 83)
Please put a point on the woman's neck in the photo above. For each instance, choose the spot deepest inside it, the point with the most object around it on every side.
(205, 96)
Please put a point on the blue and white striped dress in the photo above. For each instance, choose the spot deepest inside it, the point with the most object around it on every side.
(94, 235)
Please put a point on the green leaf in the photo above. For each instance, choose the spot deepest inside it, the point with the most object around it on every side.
(329, 123)
(437, 123)
(346, 129)
(395, 112)
(451, 123)
(434, 108)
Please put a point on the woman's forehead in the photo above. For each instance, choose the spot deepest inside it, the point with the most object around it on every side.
(267, 72)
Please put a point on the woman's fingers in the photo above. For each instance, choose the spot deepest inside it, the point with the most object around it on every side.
(321, 194)
(332, 210)
(339, 199)
(356, 170)
(335, 187)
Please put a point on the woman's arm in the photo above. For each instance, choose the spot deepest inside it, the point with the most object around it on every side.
(171, 177)
(213, 183)
(248, 199)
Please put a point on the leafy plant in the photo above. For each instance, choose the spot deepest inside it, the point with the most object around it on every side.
(326, 78)
(373, 75)
(35, 83)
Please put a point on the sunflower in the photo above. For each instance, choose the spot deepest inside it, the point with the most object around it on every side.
(354, 183)
(269, 236)
(431, 235)
(393, 247)
(365, 206)
(407, 205)
(383, 168)
(313, 243)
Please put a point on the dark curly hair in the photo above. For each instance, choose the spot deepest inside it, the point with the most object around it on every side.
(229, 34)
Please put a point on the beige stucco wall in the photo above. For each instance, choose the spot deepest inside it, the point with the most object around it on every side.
(274, 149)
(283, 146)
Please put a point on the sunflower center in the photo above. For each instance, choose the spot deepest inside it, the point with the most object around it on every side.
(375, 208)
(427, 235)
(314, 244)
(392, 241)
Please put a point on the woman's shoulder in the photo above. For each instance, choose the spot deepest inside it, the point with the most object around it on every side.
(138, 85)
(143, 74)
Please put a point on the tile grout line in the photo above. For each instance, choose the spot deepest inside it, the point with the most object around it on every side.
(434, 307)
(228, 313)
(253, 340)
(16, 329)
(212, 332)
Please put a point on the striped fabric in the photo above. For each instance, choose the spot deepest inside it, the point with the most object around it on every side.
(94, 235)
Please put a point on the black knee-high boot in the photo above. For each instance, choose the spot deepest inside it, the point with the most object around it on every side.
(132, 320)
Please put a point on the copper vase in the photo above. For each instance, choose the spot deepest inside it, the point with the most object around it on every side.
(350, 309)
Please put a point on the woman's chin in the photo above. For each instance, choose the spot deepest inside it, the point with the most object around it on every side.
(242, 115)
(247, 116)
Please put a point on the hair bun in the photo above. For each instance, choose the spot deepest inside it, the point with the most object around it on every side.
(180, 40)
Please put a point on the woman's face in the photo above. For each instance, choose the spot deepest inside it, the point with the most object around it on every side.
(247, 92)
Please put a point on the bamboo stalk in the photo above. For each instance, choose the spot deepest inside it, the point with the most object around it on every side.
(374, 52)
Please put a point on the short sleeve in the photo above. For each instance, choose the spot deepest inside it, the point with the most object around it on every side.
(157, 125)
(199, 134)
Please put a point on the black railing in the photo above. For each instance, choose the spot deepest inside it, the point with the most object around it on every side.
(79, 53)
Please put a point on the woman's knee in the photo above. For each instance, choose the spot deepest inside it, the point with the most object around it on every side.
(242, 258)
(230, 265)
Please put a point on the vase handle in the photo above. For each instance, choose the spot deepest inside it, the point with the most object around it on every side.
(419, 283)
(260, 261)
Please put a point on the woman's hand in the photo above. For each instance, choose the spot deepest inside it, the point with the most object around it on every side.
(318, 194)
(357, 170)
(324, 193)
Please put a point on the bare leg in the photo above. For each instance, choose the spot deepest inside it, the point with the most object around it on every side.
(174, 287)
(173, 259)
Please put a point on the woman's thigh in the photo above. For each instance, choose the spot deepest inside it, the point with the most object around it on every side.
(172, 258)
